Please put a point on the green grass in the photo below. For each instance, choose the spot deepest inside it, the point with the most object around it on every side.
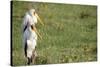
(69, 34)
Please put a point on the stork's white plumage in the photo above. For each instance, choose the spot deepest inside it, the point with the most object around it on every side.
(30, 34)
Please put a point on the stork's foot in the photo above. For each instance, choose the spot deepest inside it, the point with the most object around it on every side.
(29, 61)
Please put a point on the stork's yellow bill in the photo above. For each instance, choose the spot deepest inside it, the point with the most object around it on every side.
(39, 19)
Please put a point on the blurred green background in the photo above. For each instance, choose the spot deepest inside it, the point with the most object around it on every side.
(69, 34)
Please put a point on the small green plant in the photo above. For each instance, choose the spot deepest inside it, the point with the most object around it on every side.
(41, 60)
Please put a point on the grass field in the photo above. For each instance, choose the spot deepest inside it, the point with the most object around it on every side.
(69, 34)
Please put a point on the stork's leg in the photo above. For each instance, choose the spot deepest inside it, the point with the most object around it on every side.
(29, 61)
(25, 49)
(34, 55)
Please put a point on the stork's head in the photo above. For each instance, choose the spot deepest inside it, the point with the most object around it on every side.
(35, 16)
(32, 12)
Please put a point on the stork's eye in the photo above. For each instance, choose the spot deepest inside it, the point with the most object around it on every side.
(34, 13)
